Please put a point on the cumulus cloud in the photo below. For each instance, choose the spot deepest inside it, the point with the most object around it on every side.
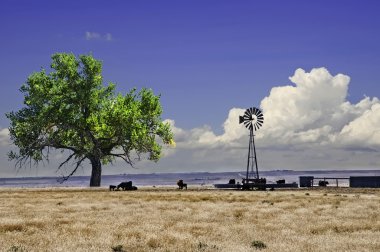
(363, 130)
(309, 104)
(315, 111)
(4, 137)
(98, 36)
(311, 118)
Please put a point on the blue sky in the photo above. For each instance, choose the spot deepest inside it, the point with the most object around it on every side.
(203, 57)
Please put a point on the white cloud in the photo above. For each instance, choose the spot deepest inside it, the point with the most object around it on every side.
(232, 131)
(364, 131)
(308, 105)
(4, 137)
(92, 35)
(313, 111)
(108, 37)
(98, 36)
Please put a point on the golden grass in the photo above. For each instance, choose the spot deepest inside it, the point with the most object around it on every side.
(166, 219)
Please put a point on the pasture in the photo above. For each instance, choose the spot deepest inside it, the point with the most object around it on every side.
(198, 219)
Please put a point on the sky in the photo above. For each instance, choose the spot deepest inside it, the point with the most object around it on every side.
(311, 66)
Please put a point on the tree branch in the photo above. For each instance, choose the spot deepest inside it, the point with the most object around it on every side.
(125, 157)
(66, 161)
(64, 178)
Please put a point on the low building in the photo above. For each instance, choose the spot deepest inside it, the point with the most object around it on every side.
(306, 181)
(365, 181)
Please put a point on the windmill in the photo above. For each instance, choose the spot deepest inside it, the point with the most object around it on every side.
(252, 119)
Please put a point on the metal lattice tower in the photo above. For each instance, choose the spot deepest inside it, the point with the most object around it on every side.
(253, 119)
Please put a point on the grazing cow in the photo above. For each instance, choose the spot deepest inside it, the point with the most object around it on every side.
(126, 186)
(112, 187)
(181, 185)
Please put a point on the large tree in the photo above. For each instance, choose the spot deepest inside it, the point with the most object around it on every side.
(70, 109)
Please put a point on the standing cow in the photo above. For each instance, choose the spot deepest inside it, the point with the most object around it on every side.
(181, 185)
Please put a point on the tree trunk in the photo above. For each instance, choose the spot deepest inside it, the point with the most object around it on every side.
(96, 174)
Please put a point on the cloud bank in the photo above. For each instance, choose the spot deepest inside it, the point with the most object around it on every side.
(307, 125)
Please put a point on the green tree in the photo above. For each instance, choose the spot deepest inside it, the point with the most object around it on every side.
(71, 110)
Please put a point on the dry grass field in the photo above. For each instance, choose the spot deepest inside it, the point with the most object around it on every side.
(166, 219)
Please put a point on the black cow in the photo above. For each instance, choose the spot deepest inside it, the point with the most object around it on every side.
(323, 183)
(181, 185)
(280, 181)
(126, 186)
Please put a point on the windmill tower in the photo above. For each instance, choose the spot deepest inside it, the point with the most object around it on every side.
(252, 119)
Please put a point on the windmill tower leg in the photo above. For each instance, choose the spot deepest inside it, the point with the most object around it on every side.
(252, 158)
(255, 157)
(249, 162)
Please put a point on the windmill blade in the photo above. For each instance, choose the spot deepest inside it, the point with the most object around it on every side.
(257, 112)
(247, 113)
(247, 124)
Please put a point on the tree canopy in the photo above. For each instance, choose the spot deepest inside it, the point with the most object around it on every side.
(70, 109)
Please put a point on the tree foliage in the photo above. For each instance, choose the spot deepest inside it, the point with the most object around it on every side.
(70, 109)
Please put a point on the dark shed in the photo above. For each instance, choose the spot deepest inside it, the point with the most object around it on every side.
(365, 181)
(306, 181)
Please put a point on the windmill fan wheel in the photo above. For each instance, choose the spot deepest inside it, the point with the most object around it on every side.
(253, 118)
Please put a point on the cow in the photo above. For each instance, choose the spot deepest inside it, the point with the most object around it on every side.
(126, 186)
(323, 183)
(181, 185)
(280, 181)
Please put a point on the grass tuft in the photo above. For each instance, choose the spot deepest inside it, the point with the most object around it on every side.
(12, 228)
(258, 245)
(118, 248)
(16, 248)
(153, 243)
